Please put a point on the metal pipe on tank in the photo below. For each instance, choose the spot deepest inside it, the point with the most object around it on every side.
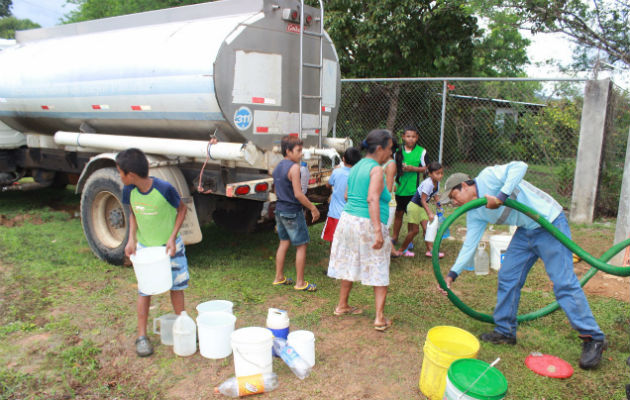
(171, 147)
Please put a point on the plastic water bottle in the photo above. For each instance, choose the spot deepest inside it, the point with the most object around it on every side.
(432, 228)
(246, 385)
(297, 364)
(305, 176)
(441, 219)
(482, 261)
(184, 335)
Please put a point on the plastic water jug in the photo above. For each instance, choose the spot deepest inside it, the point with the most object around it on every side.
(482, 261)
(165, 322)
(278, 323)
(184, 335)
(432, 228)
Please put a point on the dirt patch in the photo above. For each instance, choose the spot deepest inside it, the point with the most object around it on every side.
(19, 220)
(603, 284)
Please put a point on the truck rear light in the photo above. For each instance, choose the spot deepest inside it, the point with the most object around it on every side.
(308, 19)
(241, 190)
(289, 14)
(261, 187)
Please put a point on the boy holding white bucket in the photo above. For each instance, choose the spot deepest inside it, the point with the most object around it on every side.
(157, 214)
(530, 242)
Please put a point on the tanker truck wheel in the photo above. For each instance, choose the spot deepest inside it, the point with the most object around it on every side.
(103, 215)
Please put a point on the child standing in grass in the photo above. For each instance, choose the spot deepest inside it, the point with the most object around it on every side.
(418, 210)
(411, 161)
(339, 183)
(157, 214)
(290, 220)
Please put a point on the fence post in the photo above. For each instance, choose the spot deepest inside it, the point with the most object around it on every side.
(622, 230)
(444, 87)
(589, 155)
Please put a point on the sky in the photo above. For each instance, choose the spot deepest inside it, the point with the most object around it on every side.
(544, 47)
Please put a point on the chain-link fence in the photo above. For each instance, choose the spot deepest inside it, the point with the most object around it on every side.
(468, 124)
(614, 153)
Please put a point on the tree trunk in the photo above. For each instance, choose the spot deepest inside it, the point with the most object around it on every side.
(392, 94)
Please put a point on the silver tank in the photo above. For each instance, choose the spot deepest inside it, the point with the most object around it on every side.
(179, 73)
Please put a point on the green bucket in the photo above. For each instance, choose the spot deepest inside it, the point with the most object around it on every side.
(461, 375)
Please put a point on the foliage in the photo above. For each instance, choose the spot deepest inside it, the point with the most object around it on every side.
(5, 8)
(9, 25)
(402, 38)
(502, 51)
(95, 9)
(599, 24)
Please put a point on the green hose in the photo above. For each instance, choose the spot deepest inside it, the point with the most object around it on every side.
(596, 264)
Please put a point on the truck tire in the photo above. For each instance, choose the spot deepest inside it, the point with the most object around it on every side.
(103, 216)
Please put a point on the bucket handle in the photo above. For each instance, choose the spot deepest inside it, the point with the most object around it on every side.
(262, 367)
(155, 323)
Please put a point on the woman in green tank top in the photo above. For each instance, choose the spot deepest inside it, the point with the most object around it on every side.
(361, 247)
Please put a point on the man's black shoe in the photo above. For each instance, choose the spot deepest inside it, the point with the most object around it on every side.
(497, 338)
(592, 352)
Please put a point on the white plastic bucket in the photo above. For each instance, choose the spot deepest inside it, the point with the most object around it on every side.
(215, 328)
(304, 343)
(252, 351)
(498, 246)
(214, 306)
(153, 270)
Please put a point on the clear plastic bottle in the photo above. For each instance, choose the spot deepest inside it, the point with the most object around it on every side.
(482, 260)
(305, 176)
(246, 385)
(297, 364)
(441, 219)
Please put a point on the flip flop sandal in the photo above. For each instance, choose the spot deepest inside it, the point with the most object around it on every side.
(285, 281)
(382, 328)
(408, 253)
(429, 254)
(350, 311)
(310, 287)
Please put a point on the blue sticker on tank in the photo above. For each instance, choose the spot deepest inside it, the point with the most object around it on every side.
(243, 118)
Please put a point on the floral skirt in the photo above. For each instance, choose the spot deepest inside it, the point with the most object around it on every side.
(352, 257)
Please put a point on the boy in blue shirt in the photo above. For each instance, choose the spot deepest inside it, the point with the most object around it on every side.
(530, 242)
(157, 214)
(338, 181)
(290, 220)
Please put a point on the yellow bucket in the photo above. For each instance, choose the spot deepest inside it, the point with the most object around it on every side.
(444, 344)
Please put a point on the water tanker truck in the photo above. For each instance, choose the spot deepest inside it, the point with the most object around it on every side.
(247, 72)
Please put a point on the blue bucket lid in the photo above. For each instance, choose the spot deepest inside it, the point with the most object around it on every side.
(491, 386)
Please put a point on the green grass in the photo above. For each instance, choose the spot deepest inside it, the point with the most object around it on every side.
(67, 320)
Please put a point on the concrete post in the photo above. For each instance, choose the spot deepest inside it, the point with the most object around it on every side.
(589, 156)
(622, 230)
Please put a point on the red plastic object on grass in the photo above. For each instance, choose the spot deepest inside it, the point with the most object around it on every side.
(548, 365)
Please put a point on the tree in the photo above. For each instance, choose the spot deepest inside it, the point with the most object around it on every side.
(5, 8)
(9, 25)
(600, 24)
(95, 9)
